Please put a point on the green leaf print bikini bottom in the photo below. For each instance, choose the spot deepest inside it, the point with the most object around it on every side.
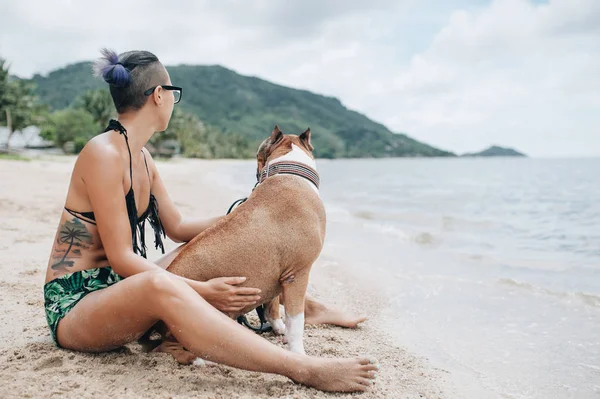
(64, 292)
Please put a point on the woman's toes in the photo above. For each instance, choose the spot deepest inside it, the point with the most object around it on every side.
(369, 367)
(368, 374)
(368, 360)
(364, 381)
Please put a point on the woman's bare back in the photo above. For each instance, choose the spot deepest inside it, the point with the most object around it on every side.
(77, 244)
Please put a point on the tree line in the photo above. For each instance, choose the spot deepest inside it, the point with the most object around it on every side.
(90, 112)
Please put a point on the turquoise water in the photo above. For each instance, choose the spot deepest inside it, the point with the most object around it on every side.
(491, 266)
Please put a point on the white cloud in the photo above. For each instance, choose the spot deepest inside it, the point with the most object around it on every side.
(513, 74)
(509, 72)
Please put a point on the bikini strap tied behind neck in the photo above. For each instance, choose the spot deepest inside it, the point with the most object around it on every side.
(116, 125)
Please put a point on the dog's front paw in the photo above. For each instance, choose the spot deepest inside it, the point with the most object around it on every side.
(278, 327)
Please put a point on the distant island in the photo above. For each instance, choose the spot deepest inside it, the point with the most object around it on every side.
(495, 151)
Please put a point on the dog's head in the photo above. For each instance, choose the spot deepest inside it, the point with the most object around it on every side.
(279, 144)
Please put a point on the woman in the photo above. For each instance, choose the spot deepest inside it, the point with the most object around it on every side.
(101, 292)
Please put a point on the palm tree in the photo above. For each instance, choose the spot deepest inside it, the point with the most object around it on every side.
(19, 105)
(99, 104)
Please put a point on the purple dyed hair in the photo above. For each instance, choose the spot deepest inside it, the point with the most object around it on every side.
(109, 68)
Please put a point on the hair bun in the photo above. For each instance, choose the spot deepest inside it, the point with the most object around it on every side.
(111, 70)
(117, 76)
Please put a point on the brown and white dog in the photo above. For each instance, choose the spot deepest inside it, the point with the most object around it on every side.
(273, 238)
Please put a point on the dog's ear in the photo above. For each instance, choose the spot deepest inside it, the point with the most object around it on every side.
(276, 135)
(305, 138)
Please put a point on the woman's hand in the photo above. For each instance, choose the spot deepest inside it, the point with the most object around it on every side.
(223, 294)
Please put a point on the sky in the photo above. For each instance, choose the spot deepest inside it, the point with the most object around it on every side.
(457, 74)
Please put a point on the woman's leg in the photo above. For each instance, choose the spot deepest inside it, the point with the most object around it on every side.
(119, 314)
(315, 312)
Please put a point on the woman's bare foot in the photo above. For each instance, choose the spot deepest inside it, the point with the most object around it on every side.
(338, 375)
(317, 313)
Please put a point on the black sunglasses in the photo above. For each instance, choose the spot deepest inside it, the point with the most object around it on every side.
(177, 91)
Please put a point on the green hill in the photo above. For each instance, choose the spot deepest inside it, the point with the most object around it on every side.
(251, 107)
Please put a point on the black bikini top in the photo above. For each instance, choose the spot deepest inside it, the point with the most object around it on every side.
(137, 223)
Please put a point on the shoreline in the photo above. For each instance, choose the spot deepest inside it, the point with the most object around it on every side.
(32, 365)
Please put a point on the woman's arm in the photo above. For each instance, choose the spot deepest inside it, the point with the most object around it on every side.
(177, 228)
(190, 228)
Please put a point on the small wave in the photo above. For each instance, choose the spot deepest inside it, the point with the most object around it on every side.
(364, 214)
(452, 223)
(437, 277)
(372, 221)
(421, 238)
(426, 239)
(588, 299)
(337, 214)
(390, 230)
(390, 214)
(443, 222)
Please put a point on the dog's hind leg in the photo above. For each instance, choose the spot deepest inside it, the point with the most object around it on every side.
(294, 291)
(274, 318)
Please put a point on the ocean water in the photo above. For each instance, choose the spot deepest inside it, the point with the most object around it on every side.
(490, 267)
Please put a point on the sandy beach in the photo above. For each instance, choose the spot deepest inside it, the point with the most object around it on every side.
(32, 195)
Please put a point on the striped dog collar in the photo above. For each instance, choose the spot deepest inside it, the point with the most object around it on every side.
(290, 168)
